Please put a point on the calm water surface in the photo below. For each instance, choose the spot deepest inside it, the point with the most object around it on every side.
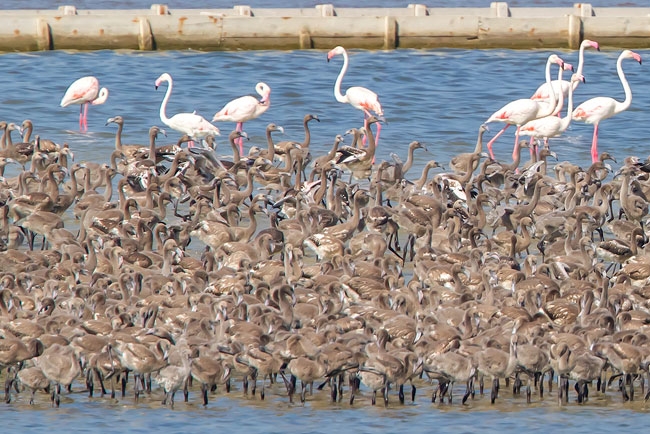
(439, 97)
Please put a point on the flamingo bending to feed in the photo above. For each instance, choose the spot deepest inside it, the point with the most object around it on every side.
(84, 91)
(358, 97)
(195, 126)
(552, 126)
(542, 92)
(596, 109)
(244, 109)
(521, 111)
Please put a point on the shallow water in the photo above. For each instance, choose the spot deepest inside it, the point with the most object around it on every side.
(439, 97)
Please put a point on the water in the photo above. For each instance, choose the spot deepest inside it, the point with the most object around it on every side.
(439, 97)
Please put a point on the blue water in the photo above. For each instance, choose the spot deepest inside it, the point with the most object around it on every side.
(439, 97)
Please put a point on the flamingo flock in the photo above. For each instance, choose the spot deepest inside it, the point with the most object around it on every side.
(269, 276)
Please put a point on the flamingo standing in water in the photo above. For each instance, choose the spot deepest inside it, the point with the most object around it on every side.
(84, 91)
(596, 109)
(542, 93)
(244, 109)
(552, 125)
(358, 97)
(521, 111)
(195, 126)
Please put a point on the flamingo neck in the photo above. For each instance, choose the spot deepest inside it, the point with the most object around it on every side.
(622, 106)
(560, 100)
(163, 105)
(565, 121)
(548, 109)
(101, 98)
(118, 136)
(337, 85)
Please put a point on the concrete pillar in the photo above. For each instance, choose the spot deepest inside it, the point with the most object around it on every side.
(583, 9)
(390, 38)
(500, 9)
(326, 10)
(419, 10)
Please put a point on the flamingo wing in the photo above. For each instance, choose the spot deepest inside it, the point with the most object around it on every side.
(193, 125)
(595, 109)
(81, 91)
(238, 110)
(364, 99)
(516, 112)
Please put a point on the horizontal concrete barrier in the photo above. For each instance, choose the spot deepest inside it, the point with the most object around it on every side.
(324, 26)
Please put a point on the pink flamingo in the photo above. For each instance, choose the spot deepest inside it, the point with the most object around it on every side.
(245, 108)
(520, 111)
(84, 91)
(358, 97)
(195, 126)
(552, 126)
(596, 109)
(542, 92)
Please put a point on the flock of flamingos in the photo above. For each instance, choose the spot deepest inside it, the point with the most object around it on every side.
(338, 275)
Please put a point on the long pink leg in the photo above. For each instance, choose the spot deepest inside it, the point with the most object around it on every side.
(376, 140)
(86, 116)
(240, 128)
(594, 145)
(515, 150)
(81, 117)
(489, 145)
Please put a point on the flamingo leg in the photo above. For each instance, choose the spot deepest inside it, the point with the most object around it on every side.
(594, 145)
(85, 118)
(240, 128)
(489, 145)
(81, 117)
(515, 150)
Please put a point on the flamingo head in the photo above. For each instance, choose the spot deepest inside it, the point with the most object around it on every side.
(567, 67)
(631, 55)
(264, 90)
(334, 51)
(589, 43)
(577, 77)
(163, 77)
(554, 58)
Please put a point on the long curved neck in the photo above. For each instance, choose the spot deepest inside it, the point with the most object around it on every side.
(163, 105)
(560, 100)
(581, 59)
(337, 85)
(236, 157)
(622, 106)
(552, 100)
(27, 134)
(307, 141)
(271, 145)
(118, 136)
(565, 121)
(409, 160)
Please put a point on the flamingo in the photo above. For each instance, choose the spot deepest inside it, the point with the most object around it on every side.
(552, 126)
(245, 108)
(358, 97)
(542, 92)
(520, 111)
(596, 109)
(84, 91)
(195, 126)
